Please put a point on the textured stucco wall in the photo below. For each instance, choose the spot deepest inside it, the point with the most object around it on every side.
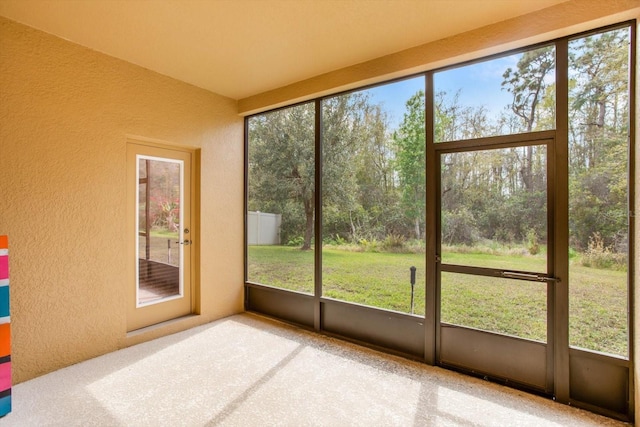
(65, 113)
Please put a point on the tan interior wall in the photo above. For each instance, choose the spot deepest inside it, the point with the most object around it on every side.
(65, 113)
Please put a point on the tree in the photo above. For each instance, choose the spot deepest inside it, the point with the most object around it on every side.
(598, 141)
(282, 163)
(527, 85)
(410, 160)
(376, 179)
(355, 167)
(282, 166)
(599, 98)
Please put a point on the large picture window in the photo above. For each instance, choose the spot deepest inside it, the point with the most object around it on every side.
(599, 191)
(281, 198)
(475, 216)
(501, 96)
(373, 193)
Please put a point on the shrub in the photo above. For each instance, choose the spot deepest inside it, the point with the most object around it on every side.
(459, 227)
(295, 241)
(369, 245)
(394, 243)
(335, 240)
(504, 235)
(415, 246)
(600, 256)
(532, 242)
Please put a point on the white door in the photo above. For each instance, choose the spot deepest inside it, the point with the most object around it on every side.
(160, 252)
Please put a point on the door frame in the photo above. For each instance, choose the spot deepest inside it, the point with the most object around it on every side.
(141, 316)
(535, 374)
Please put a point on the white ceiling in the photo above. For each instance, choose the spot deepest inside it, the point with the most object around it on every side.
(239, 48)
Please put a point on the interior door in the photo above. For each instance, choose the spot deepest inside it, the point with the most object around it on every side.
(160, 250)
(494, 262)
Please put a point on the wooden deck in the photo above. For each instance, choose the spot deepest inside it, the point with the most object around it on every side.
(157, 281)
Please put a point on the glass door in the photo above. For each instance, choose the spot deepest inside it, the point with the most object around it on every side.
(495, 262)
(160, 181)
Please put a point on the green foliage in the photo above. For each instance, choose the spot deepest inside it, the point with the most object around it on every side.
(370, 245)
(598, 142)
(410, 160)
(374, 176)
(600, 256)
(573, 253)
(493, 248)
(394, 243)
(527, 84)
(596, 207)
(532, 242)
(339, 240)
(281, 156)
(295, 241)
(459, 227)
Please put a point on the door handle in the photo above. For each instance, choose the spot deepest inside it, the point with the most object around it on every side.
(186, 242)
(528, 276)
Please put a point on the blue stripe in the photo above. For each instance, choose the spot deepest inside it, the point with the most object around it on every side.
(5, 406)
(4, 301)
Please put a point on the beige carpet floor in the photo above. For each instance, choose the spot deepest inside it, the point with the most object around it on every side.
(246, 370)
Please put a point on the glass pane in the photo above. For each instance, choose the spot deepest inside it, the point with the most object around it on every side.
(507, 95)
(599, 191)
(494, 208)
(374, 196)
(281, 193)
(159, 219)
(504, 306)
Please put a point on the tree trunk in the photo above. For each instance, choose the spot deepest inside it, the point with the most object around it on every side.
(528, 180)
(353, 227)
(601, 109)
(308, 232)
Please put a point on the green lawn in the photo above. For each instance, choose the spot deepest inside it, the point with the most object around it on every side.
(598, 306)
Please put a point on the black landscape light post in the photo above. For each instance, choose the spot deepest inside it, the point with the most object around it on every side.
(413, 282)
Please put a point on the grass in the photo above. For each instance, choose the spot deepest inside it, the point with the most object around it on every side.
(598, 309)
(511, 307)
(164, 233)
(158, 248)
(282, 266)
(598, 297)
(375, 279)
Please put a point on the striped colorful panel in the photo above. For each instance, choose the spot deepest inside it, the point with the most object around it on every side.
(5, 402)
(4, 302)
(4, 265)
(5, 340)
(5, 330)
(5, 375)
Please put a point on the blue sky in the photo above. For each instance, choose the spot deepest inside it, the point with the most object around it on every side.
(479, 84)
(393, 97)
